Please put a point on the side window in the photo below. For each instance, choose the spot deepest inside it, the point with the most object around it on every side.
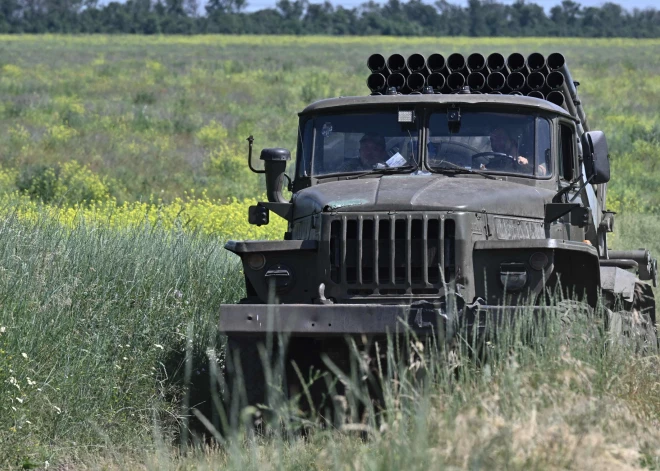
(566, 157)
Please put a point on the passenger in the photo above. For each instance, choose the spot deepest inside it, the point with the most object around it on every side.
(504, 141)
(371, 153)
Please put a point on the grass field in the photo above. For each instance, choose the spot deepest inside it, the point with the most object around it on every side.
(160, 116)
(119, 158)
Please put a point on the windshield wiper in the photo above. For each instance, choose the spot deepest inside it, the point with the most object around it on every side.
(384, 171)
(456, 169)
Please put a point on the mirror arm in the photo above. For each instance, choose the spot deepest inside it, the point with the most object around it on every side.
(250, 143)
(584, 184)
(566, 189)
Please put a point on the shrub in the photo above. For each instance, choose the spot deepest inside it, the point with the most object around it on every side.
(192, 214)
(68, 184)
(59, 134)
(213, 135)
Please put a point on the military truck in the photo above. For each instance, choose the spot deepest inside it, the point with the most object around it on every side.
(457, 191)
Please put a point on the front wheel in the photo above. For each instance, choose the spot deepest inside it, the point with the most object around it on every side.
(245, 380)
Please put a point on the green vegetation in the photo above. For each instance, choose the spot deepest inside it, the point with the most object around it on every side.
(111, 268)
(392, 18)
(160, 116)
(94, 330)
(93, 325)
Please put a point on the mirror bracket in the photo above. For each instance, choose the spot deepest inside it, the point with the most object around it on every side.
(579, 215)
(258, 215)
(250, 140)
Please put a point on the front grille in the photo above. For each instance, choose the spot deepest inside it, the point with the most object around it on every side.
(390, 254)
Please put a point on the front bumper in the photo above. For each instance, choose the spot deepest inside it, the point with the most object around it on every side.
(315, 320)
(312, 320)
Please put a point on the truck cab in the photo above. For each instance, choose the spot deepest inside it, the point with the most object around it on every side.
(399, 199)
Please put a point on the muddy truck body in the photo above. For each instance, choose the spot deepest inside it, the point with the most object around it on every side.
(484, 191)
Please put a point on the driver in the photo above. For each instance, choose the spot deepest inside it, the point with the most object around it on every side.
(372, 152)
(504, 141)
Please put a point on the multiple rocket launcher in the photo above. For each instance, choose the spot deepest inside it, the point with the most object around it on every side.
(533, 76)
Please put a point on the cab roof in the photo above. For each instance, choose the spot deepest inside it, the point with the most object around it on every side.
(488, 100)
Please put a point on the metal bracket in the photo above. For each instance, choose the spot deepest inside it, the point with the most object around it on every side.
(607, 222)
(554, 211)
(258, 215)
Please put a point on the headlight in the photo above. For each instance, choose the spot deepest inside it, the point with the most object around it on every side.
(255, 261)
(513, 276)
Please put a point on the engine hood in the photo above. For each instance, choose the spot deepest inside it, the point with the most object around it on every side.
(423, 193)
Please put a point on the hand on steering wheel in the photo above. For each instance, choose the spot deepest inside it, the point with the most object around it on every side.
(497, 157)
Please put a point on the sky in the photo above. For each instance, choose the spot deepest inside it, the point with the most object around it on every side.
(254, 5)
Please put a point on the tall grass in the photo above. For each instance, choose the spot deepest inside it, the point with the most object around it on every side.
(95, 327)
(94, 324)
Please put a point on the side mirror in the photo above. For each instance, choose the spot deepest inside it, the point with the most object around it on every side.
(596, 157)
(275, 160)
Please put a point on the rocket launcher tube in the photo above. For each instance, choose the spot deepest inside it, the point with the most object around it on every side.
(417, 63)
(397, 81)
(572, 97)
(535, 81)
(456, 63)
(496, 81)
(515, 81)
(377, 64)
(516, 63)
(476, 63)
(536, 62)
(376, 82)
(476, 81)
(555, 80)
(437, 64)
(416, 82)
(436, 81)
(556, 61)
(556, 97)
(397, 64)
(496, 63)
(455, 81)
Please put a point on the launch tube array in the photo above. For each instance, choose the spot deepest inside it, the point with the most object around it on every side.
(535, 75)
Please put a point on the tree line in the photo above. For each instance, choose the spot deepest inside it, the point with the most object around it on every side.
(395, 17)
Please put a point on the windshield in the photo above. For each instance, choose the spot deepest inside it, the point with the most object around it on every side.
(490, 142)
(358, 143)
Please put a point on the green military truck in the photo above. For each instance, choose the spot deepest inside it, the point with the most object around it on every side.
(457, 191)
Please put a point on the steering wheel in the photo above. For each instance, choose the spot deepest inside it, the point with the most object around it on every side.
(453, 151)
(498, 157)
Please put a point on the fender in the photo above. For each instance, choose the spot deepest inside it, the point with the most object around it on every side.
(545, 263)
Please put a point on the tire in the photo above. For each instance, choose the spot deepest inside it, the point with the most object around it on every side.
(245, 382)
(578, 322)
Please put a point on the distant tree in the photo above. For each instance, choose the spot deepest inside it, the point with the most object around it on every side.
(453, 19)
(292, 13)
(318, 18)
(10, 16)
(527, 19)
(225, 6)
(566, 18)
(394, 17)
